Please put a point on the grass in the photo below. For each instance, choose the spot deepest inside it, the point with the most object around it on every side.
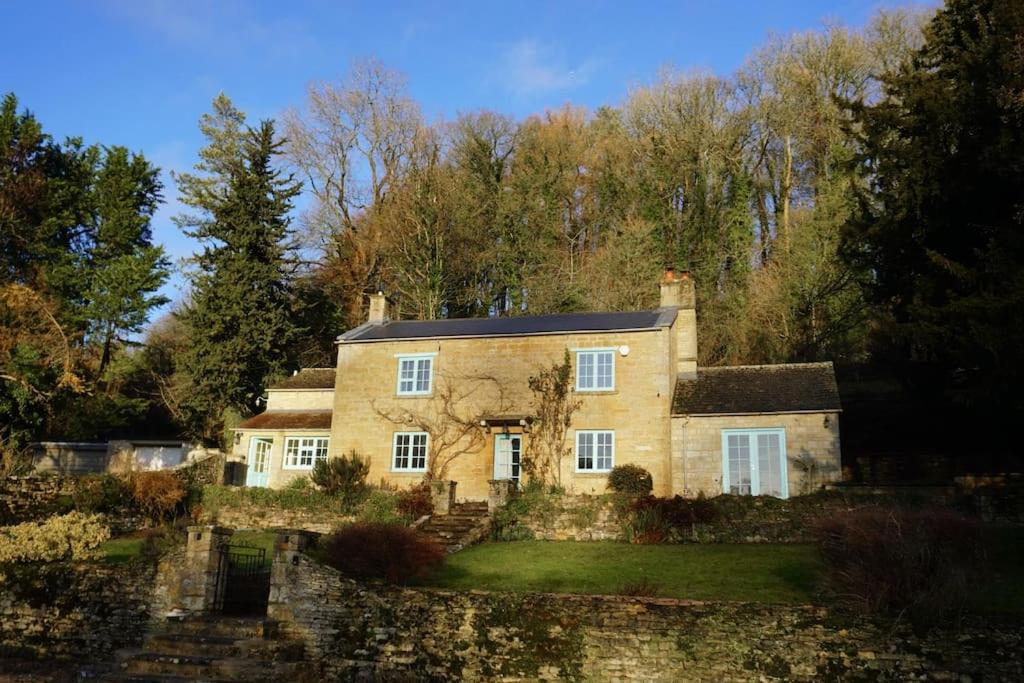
(762, 573)
(122, 550)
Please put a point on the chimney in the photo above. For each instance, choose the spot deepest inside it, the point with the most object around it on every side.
(378, 308)
(677, 291)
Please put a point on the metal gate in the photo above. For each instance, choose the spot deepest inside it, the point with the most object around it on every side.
(243, 581)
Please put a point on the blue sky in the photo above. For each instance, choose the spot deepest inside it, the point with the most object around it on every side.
(140, 72)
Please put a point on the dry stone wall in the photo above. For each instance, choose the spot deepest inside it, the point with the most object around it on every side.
(82, 611)
(24, 499)
(257, 516)
(359, 632)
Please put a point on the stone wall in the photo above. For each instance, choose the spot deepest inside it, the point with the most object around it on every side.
(84, 611)
(573, 518)
(364, 632)
(811, 439)
(265, 517)
(24, 499)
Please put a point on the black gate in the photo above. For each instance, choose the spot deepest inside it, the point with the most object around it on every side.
(243, 581)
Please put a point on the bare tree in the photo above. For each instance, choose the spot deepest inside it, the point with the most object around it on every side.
(452, 418)
(554, 404)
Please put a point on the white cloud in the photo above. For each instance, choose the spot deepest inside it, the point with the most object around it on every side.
(531, 68)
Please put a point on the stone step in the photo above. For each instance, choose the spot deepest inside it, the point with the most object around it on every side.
(222, 646)
(196, 667)
(215, 625)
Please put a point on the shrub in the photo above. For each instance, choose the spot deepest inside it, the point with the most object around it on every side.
(640, 588)
(648, 525)
(156, 494)
(920, 562)
(391, 552)
(380, 507)
(344, 477)
(631, 479)
(660, 520)
(415, 501)
(101, 493)
(74, 536)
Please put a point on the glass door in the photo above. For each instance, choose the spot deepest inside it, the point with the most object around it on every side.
(754, 463)
(259, 462)
(508, 450)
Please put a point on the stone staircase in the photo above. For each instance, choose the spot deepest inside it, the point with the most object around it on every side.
(213, 648)
(464, 525)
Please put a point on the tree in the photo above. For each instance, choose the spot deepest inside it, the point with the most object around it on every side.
(239, 321)
(127, 268)
(939, 226)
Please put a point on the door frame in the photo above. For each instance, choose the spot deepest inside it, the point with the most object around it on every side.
(755, 478)
(498, 438)
(254, 441)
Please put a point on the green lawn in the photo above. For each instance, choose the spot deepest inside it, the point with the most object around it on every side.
(764, 573)
(122, 550)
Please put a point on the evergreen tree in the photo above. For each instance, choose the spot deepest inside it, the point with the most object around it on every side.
(127, 269)
(940, 227)
(239, 322)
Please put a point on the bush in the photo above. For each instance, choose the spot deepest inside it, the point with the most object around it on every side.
(661, 520)
(74, 536)
(631, 479)
(344, 477)
(919, 562)
(156, 494)
(381, 507)
(391, 552)
(101, 493)
(415, 502)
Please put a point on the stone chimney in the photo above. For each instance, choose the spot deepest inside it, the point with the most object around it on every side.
(378, 308)
(677, 291)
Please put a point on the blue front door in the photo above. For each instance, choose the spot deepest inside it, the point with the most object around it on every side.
(259, 462)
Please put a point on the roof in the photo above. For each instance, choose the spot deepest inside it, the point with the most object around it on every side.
(308, 378)
(289, 419)
(746, 389)
(516, 326)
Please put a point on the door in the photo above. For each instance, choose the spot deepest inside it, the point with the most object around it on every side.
(508, 451)
(754, 463)
(259, 462)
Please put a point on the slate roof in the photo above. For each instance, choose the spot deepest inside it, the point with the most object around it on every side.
(289, 419)
(746, 389)
(502, 327)
(308, 378)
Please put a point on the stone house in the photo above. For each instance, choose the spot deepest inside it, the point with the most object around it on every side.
(451, 398)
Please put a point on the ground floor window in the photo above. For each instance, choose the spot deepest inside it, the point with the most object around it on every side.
(754, 462)
(595, 450)
(302, 452)
(409, 452)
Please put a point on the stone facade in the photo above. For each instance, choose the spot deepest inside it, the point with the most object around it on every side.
(84, 611)
(279, 475)
(811, 438)
(637, 410)
(366, 632)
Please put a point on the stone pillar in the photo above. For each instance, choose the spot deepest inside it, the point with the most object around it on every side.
(200, 580)
(442, 495)
(500, 491)
(289, 545)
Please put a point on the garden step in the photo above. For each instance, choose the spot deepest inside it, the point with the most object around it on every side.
(212, 625)
(223, 646)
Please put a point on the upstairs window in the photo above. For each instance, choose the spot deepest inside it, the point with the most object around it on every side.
(409, 452)
(415, 375)
(595, 370)
(595, 451)
(301, 453)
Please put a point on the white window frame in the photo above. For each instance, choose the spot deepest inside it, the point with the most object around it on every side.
(290, 463)
(394, 451)
(755, 467)
(576, 454)
(595, 353)
(415, 358)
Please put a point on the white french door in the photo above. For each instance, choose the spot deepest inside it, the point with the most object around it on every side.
(754, 462)
(508, 452)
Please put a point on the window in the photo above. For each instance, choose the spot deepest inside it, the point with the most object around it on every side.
(595, 370)
(595, 451)
(754, 462)
(409, 453)
(415, 374)
(301, 452)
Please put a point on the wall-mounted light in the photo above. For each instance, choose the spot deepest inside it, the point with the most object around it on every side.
(828, 421)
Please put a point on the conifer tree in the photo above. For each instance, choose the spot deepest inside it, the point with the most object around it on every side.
(239, 323)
